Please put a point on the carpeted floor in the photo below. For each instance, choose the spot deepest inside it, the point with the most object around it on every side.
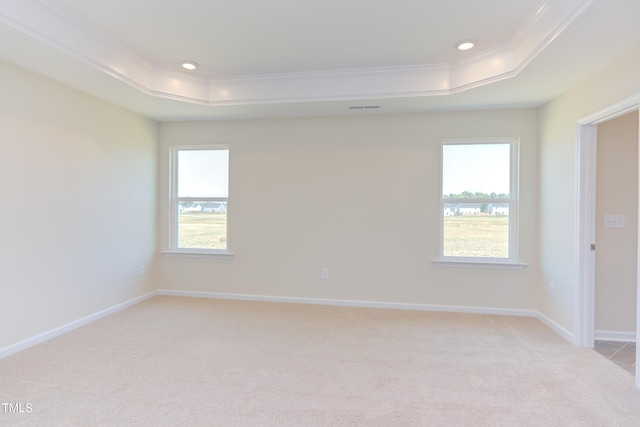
(201, 362)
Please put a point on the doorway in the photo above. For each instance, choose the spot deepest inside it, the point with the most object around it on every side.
(616, 229)
(616, 233)
(586, 197)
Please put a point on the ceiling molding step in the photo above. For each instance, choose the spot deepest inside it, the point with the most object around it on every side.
(54, 27)
(333, 85)
(548, 21)
(65, 33)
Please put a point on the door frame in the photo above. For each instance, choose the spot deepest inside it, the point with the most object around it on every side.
(584, 314)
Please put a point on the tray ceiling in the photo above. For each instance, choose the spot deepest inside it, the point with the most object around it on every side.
(290, 58)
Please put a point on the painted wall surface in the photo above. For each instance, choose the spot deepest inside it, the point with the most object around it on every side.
(617, 248)
(558, 165)
(78, 186)
(357, 195)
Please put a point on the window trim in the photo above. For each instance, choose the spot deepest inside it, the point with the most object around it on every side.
(512, 261)
(174, 250)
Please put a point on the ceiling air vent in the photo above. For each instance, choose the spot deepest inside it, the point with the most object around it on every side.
(363, 107)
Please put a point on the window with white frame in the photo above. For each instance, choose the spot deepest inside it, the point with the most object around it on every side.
(478, 203)
(199, 196)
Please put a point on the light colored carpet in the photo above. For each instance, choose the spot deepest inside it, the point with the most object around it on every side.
(188, 362)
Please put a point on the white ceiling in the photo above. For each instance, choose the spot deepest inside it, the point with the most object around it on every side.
(316, 57)
(235, 38)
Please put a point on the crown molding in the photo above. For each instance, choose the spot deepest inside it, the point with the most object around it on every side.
(543, 26)
(52, 26)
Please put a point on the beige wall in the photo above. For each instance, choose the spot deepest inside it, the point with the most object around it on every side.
(557, 210)
(617, 248)
(357, 195)
(77, 179)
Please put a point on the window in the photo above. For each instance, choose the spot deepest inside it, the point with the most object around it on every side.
(199, 196)
(478, 201)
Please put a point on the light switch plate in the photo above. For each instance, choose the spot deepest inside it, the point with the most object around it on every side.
(614, 221)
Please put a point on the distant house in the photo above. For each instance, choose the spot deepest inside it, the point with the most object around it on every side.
(191, 207)
(451, 210)
(469, 209)
(462, 209)
(476, 209)
(214, 207)
(502, 209)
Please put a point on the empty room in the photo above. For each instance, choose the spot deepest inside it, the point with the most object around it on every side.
(319, 213)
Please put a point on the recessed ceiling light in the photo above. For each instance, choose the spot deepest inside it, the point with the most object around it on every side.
(189, 65)
(465, 44)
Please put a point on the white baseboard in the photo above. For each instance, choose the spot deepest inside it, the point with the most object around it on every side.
(564, 333)
(352, 303)
(30, 342)
(22, 345)
(615, 336)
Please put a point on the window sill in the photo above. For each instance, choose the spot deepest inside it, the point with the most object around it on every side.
(192, 253)
(478, 264)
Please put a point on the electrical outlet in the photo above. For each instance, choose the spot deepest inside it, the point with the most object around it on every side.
(552, 289)
(141, 270)
(324, 273)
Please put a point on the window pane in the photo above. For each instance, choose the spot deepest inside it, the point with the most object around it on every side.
(476, 230)
(475, 170)
(203, 173)
(202, 225)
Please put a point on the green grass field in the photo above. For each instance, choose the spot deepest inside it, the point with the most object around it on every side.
(485, 236)
(202, 230)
